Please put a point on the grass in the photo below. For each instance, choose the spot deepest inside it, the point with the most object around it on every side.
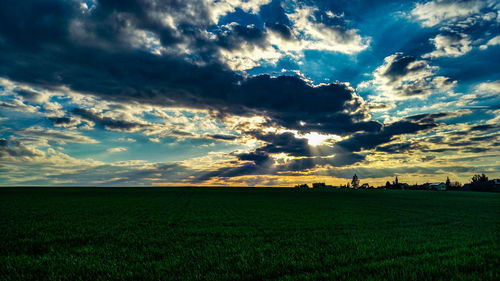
(247, 234)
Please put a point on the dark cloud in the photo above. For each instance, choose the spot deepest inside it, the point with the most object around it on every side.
(257, 157)
(339, 160)
(107, 122)
(17, 149)
(441, 150)
(485, 138)
(431, 117)
(363, 141)
(283, 143)
(436, 139)
(61, 120)
(50, 44)
(263, 164)
(14, 106)
(484, 127)
(265, 168)
(283, 30)
(231, 36)
(375, 106)
(179, 133)
(476, 149)
(403, 77)
(400, 147)
(222, 137)
(33, 24)
(341, 154)
(400, 67)
(292, 103)
(31, 96)
(114, 70)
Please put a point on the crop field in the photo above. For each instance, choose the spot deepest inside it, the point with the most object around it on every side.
(247, 234)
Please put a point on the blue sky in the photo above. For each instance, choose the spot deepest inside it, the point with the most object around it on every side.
(258, 92)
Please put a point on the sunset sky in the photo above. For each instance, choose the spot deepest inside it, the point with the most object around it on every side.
(248, 93)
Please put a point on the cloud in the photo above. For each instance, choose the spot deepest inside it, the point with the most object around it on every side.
(118, 72)
(488, 88)
(402, 77)
(116, 149)
(221, 8)
(437, 12)
(317, 35)
(409, 125)
(286, 143)
(25, 163)
(59, 136)
(18, 150)
(59, 169)
(495, 121)
(450, 45)
(107, 122)
(31, 96)
(492, 42)
(65, 122)
(462, 24)
(245, 47)
(222, 137)
(304, 157)
(400, 147)
(125, 64)
(18, 105)
(292, 103)
(127, 140)
(282, 30)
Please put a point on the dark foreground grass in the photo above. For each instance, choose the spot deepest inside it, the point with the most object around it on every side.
(247, 234)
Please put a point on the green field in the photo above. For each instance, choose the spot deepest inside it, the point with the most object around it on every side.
(247, 234)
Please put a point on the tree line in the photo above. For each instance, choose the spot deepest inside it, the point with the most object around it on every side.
(479, 182)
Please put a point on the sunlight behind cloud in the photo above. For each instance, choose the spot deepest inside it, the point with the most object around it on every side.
(315, 139)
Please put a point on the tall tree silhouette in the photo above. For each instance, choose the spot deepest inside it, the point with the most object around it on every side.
(355, 181)
(395, 183)
(480, 178)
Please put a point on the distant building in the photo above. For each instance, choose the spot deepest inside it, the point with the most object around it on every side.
(495, 185)
(441, 186)
(322, 185)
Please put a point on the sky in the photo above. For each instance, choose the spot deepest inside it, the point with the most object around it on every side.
(248, 93)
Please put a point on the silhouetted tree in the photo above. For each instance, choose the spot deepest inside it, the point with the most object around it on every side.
(355, 181)
(479, 178)
(388, 185)
(481, 183)
(302, 186)
(448, 183)
(395, 183)
(455, 185)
